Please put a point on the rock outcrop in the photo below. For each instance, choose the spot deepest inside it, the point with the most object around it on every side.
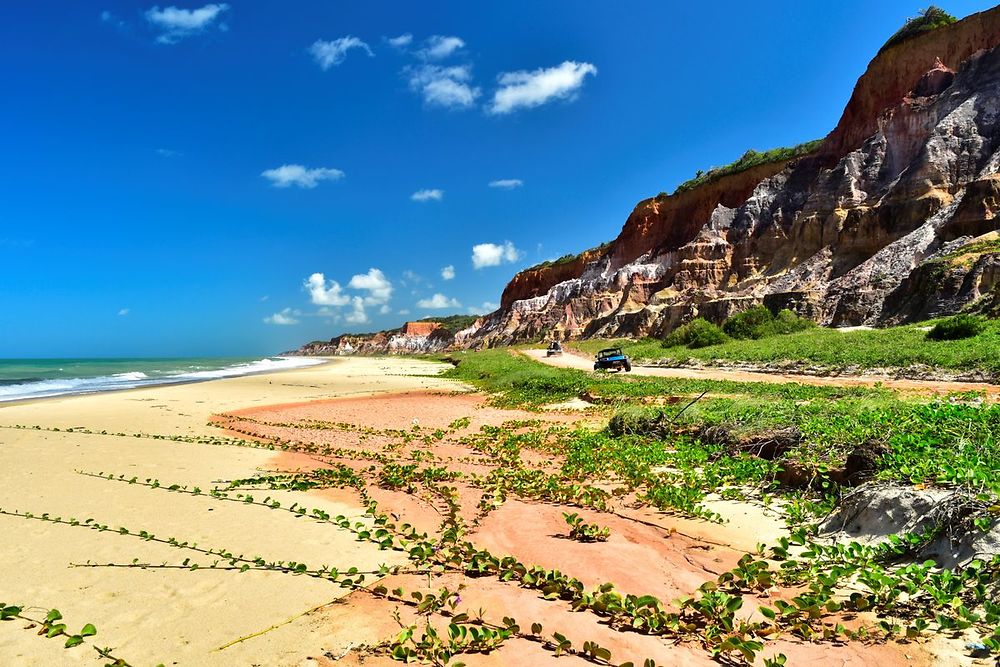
(868, 229)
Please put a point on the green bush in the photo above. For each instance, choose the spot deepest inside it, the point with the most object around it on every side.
(695, 334)
(747, 324)
(759, 322)
(956, 328)
(928, 19)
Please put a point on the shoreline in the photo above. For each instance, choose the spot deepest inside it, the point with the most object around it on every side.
(325, 361)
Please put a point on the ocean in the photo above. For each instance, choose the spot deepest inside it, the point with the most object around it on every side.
(40, 378)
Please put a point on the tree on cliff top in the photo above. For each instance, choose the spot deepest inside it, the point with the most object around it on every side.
(928, 19)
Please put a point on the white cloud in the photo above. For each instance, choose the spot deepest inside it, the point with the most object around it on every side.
(448, 272)
(123, 312)
(447, 87)
(357, 314)
(400, 42)
(328, 54)
(438, 301)
(325, 293)
(507, 183)
(166, 152)
(438, 47)
(404, 311)
(375, 283)
(284, 318)
(176, 23)
(487, 307)
(491, 254)
(525, 89)
(428, 195)
(384, 310)
(411, 278)
(295, 174)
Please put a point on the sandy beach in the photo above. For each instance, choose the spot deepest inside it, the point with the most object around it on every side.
(170, 616)
(388, 423)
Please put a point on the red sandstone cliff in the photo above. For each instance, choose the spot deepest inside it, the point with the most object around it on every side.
(843, 235)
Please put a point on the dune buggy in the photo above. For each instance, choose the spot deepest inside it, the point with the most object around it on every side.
(612, 359)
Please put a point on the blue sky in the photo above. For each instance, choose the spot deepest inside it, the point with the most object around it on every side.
(238, 178)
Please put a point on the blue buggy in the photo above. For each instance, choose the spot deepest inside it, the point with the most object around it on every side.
(612, 359)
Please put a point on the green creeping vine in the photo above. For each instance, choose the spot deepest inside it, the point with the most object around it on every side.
(585, 532)
(51, 627)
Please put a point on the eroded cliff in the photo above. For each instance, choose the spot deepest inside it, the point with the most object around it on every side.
(854, 233)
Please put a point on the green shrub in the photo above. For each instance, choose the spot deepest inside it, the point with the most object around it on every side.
(956, 328)
(695, 334)
(748, 323)
(759, 322)
(928, 19)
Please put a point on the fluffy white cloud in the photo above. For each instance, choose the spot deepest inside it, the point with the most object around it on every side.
(438, 47)
(525, 89)
(284, 318)
(448, 272)
(428, 195)
(404, 312)
(325, 293)
(384, 310)
(507, 183)
(176, 23)
(491, 254)
(123, 312)
(328, 54)
(375, 283)
(400, 42)
(447, 87)
(166, 152)
(438, 301)
(357, 314)
(295, 174)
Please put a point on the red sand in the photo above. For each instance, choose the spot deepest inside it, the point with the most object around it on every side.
(638, 558)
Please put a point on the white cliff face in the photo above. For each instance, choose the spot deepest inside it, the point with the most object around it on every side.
(855, 241)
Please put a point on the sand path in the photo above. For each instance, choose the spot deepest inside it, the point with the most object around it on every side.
(926, 387)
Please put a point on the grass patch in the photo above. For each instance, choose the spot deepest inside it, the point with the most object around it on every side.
(517, 381)
(748, 160)
(566, 259)
(944, 443)
(891, 347)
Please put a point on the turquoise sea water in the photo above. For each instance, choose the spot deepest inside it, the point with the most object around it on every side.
(38, 378)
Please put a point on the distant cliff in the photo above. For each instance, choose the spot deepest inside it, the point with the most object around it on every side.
(412, 338)
(861, 229)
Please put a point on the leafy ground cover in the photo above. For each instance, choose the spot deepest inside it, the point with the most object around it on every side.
(891, 347)
(436, 493)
